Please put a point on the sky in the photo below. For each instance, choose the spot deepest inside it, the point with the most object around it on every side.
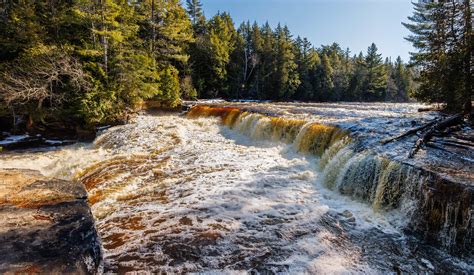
(351, 23)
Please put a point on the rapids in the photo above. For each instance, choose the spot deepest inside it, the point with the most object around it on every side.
(174, 194)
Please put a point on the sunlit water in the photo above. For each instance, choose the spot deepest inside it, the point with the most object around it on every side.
(180, 195)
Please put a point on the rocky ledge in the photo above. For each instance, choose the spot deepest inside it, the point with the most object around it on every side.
(46, 225)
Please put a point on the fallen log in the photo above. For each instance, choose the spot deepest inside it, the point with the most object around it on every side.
(450, 140)
(428, 109)
(410, 132)
(455, 144)
(434, 146)
(464, 137)
(450, 121)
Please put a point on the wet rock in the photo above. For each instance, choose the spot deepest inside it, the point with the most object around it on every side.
(445, 214)
(46, 225)
(347, 214)
(348, 217)
(20, 142)
(427, 264)
(25, 141)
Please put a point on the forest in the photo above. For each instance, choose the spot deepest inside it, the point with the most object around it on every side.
(90, 62)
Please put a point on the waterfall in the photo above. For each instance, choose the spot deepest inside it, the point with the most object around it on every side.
(307, 137)
(432, 213)
(367, 177)
(364, 175)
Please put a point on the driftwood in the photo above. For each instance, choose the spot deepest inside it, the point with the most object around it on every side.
(428, 109)
(452, 140)
(410, 132)
(464, 137)
(450, 121)
(465, 146)
(442, 148)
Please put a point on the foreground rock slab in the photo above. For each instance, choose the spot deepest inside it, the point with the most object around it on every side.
(46, 225)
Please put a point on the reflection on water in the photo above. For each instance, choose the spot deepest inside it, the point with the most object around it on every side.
(187, 195)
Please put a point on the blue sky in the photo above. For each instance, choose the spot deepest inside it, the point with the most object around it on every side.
(351, 23)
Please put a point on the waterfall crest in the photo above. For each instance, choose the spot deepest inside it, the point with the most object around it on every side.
(307, 137)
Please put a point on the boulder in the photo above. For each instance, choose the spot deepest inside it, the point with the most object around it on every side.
(46, 225)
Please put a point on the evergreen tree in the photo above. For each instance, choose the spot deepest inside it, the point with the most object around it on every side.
(355, 91)
(442, 34)
(375, 76)
(307, 60)
(268, 63)
(124, 55)
(215, 51)
(194, 9)
(340, 75)
(255, 61)
(401, 76)
(325, 81)
(285, 79)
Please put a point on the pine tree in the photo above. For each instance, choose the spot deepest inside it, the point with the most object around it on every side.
(307, 60)
(37, 59)
(442, 34)
(268, 63)
(174, 33)
(285, 79)
(375, 79)
(355, 91)
(194, 9)
(401, 77)
(340, 74)
(214, 52)
(256, 61)
(325, 81)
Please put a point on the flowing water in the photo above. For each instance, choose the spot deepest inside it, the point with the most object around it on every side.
(253, 194)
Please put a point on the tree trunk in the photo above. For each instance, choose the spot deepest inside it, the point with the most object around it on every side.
(410, 132)
(450, 121)
(94, 35)
(468, 58)
(104, 36)
(14, 120)
(153, 27)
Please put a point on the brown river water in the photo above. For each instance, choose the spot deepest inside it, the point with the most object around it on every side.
(248, 194)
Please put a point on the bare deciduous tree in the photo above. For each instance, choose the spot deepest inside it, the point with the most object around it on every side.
(41, 76)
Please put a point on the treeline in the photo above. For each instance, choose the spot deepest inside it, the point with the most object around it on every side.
(259, 62)
(442, 34)
(92, 61)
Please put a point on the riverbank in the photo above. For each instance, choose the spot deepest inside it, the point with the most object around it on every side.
(46, 225)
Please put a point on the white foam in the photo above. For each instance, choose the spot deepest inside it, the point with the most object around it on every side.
(221, 202)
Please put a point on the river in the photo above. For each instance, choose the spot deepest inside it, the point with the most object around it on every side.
(174, 194)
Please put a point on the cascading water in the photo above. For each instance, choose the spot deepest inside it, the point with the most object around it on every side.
(365, 176)
(362, 175)
(257, 194)
(308, 138)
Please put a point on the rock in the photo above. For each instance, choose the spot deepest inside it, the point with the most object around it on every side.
(46, 225)
(21, 142)
(427, 264)
(27, 141)
(444, 214)
(347, 214)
